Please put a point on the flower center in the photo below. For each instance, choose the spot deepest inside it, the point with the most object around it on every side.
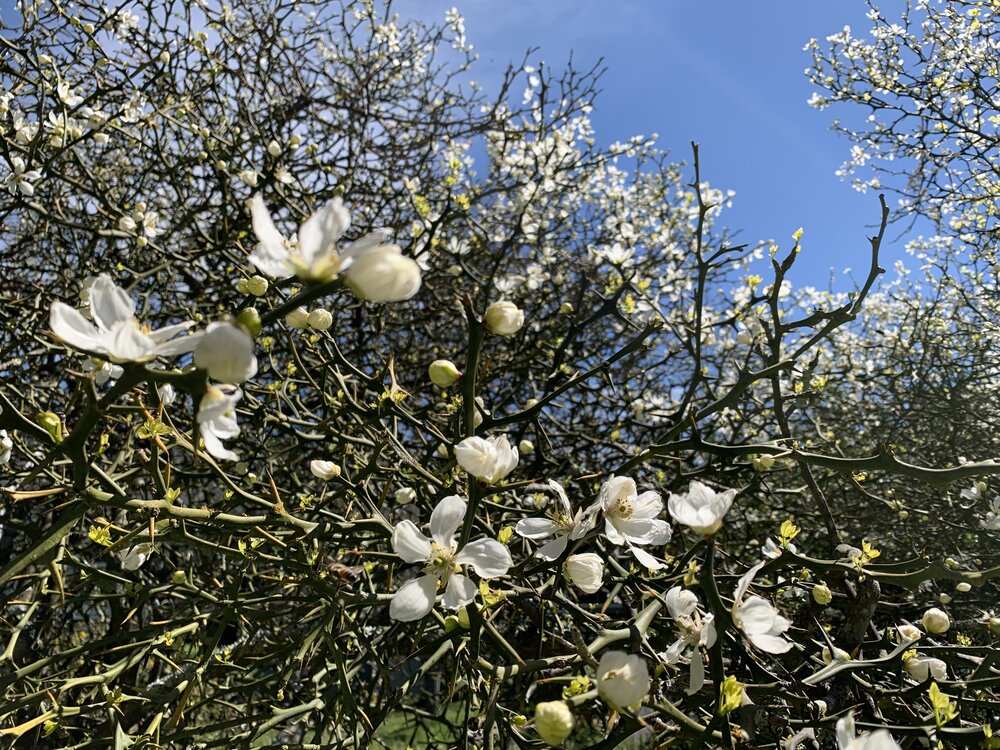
(442, 561)
(623, 508)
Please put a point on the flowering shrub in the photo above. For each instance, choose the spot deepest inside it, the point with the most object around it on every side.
(398, 478)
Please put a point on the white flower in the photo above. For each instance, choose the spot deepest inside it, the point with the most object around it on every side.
(226, 353)
(877, 740)
(103, 370)
(117, 335)
(561, 523)
(20, 179)
(248, 177)
(135, 556)
(760, 622)
(631, 519)
(312, 254)
(585, 571)
(701, 507)
(167, 394)
(6, 447)
(217, 419)
(487, 459)
(935, 621)
(383, 274)
(488, 558)
(443, 373)
(772, 550)
(554, 722)
(324, 470)
(909, 632)
(504, 318)
(622, 679)
(922, 667)
(694, 630)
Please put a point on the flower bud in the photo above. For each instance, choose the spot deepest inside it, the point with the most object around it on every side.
(324, 470)
(249, 318)
(935, 621)
(944, 598)
(127, 224)
(443, 373)
(554, 722)
(274, 149)
(320, 319)
(52, 424)
(822, 595)
(164, 57)
(226, 351)
(248, 177)
(964, 587)
(565, 309)
(178, 577)
(994, 625)
(909, 632)
(525, 446)
(585, 571)
(405, 495)
(297, 318)
(922, 667)
(257, 286)
(503, 318)
(383, 274)
(622, 679)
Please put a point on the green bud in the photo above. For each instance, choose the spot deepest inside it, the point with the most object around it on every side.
(52, 425)
(250, 320)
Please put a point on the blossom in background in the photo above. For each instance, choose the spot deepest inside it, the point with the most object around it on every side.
(6, 447)
(504, 318)
(622, 679)
(759, 620)
(20, 179)
(701, 507)
(487, 459)
(217, 419)
(383, 273)
(585, 571)
(630, 519)
(226, 353)
(877, 740)
(134, 557)
(324, 470)
(561, 523)
(694, 630)
(488, 557)
(115, 333)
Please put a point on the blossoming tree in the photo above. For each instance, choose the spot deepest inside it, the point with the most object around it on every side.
(347, 404)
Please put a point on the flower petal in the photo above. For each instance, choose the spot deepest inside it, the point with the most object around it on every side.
(645, 559)
(109, 303)
(320, 231)
(445, 520)
(414, 599)
(73, 329)
(697, 679)
(409, 543)
(488, 557)
(536, 528)
(772, 644)
(459, 592)
(129, 344)
(553, 549)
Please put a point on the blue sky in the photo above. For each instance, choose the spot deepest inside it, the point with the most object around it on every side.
(727, 74)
